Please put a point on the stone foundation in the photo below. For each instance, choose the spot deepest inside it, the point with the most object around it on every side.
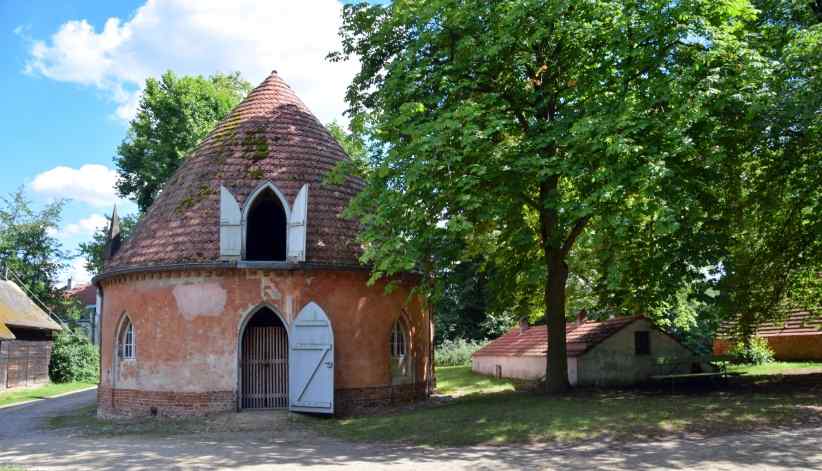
(352, 401)
(136, 403)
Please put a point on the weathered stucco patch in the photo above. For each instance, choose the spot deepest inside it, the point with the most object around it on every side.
(202, 299)
(268, 290)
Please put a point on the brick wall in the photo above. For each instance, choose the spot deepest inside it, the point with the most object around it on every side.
(135, 403)
(24, 363)
(352, 401)
(132, 402)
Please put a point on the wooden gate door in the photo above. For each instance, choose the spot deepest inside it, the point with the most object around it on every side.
(264, 368)
(312, 362)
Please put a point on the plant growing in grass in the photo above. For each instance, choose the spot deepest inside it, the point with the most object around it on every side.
(74, 359)
(755, 352)
(456, 352)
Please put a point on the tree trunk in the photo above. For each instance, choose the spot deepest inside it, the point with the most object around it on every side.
(556, 380)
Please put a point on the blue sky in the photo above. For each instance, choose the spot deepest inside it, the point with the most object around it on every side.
(72, 72)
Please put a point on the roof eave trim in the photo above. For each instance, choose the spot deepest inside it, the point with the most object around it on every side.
(223, 265)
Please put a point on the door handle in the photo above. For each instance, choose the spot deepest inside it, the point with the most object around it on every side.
(329, 364)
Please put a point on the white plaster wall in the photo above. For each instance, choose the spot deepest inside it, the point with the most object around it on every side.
(522, 367)
(614, 360)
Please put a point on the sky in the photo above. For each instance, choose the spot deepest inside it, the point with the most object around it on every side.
(71, 73)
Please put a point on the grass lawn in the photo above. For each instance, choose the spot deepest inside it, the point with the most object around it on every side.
(778, 367)
(489, 411)
(461, 381)
(41, 392)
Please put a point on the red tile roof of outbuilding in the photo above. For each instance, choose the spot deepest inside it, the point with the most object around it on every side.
(86, 294)
(270, 136)
(796, 323)
(533, 341)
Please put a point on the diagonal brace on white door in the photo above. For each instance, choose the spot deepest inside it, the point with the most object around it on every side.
(313, 373)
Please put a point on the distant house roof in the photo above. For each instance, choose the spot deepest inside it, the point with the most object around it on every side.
(17, 310)
(797, 322)
(533, 341)
(86, 294)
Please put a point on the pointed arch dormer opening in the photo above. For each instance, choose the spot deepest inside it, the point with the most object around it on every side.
(266, 233)
(266, 229)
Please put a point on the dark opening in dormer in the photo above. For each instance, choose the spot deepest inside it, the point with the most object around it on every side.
(266, 228)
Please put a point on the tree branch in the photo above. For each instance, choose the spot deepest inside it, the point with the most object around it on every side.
(575, 232)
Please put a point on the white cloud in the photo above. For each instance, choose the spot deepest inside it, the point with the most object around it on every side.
(84, 227)
(76, 271)
(92, 184)
(203, 37)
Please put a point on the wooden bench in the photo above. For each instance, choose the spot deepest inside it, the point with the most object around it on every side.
(720, 362)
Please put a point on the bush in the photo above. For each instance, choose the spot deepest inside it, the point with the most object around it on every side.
(757, 353)
(456, 352)
(74, 359)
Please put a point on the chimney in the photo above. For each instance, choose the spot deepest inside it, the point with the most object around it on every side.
(581, 316)
(523, 324)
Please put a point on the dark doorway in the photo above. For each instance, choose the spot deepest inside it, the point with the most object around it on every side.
(264, 362)
(266, 228)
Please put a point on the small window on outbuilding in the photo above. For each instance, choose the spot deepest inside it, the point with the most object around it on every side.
(400, 370)
(642, 342)
(398, 347)
(125, 340)
(266, 228)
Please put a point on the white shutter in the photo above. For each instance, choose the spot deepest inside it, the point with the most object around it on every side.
(230, 226)
(311, 362)
(297, 224)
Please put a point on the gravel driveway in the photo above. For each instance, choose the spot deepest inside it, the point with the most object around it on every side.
(23, 443)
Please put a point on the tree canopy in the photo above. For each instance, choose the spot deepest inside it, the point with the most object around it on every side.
(93, 251)
(175, 114)
(597, 140)
(774, 260)
(29, 248)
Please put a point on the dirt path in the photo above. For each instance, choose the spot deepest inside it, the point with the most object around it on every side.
(27, 419)
(290, 448)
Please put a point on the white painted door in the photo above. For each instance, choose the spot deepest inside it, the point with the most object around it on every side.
(311, 368)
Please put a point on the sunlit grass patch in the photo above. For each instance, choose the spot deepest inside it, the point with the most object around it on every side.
(41, 392)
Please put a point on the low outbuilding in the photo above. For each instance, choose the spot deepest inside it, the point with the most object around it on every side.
(25, 339)
(797, 338)
(618, 351)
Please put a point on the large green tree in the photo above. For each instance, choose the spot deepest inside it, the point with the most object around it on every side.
(774, 256)
(531, 128)
(29, 249)
(175, 114)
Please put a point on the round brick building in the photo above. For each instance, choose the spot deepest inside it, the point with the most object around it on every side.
(240, 288)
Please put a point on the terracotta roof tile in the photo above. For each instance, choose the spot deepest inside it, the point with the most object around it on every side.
(86, 294)
(270, 136)
(534, 340)
(797, 322)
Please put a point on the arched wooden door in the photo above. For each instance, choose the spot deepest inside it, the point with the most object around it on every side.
(311, 374)
(264, 362)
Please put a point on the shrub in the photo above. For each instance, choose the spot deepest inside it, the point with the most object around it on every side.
(757, 352)
(456, 352)
(74, 359)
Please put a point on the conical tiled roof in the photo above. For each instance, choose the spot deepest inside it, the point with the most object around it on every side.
(270, 136)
